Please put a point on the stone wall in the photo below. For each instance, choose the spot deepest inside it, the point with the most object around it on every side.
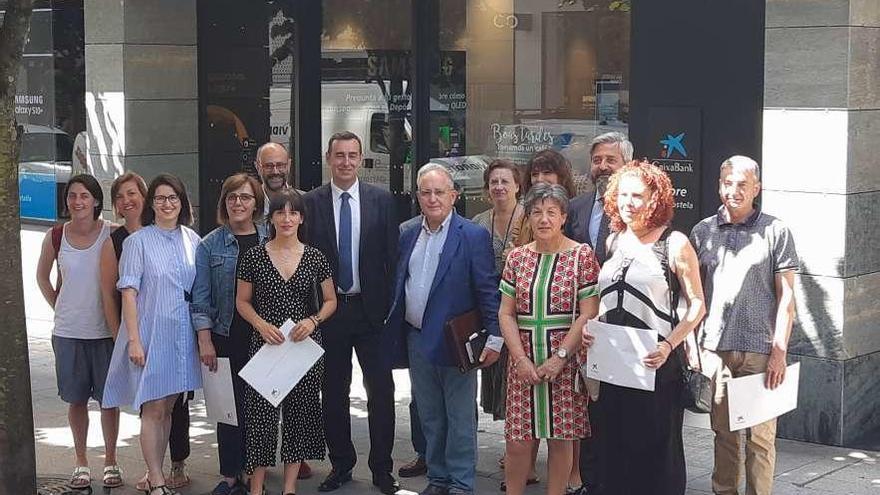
(142, 89)
(821, 176)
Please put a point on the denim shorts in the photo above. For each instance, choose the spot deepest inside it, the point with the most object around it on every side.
(81, 367)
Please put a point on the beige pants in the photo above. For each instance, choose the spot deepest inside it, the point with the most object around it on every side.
(760, 440)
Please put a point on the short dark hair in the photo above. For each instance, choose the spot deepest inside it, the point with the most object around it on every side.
(232, 183)
(550, 161)
(122, 179)
(185, 217)
(291, 199)
(92, 186)
(344, 136)
(503, 163)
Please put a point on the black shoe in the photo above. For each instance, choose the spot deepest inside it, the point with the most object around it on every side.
(413, 468)
(434, 490)
(334, 480)
(386, 483)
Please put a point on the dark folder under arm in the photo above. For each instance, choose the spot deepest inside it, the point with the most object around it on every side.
(466, 339)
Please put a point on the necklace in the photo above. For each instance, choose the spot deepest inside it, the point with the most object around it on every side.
(509, 223)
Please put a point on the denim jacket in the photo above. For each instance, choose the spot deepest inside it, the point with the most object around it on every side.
(213, 296)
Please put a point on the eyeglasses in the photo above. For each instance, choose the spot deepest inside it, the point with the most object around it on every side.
(231, 198)
(161, 200)
(439, 193)
(276, 166)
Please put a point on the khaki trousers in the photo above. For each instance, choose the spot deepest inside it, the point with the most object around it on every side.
(760, 440)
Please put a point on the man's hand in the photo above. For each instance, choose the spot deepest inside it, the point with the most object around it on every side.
(775, 367)
(488, 357)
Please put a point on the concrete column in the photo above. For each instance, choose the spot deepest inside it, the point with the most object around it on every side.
(142, 89)
(821, 176)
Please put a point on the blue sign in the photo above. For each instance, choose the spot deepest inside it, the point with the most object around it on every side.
(36, 196)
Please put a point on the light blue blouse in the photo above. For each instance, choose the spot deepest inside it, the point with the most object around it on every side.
(160, 266)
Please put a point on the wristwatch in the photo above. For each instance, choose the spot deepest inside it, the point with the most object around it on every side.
(562, 353)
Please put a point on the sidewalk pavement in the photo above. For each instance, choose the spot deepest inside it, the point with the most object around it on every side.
(801, 468)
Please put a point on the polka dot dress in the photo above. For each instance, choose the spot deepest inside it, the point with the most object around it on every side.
(276, 300)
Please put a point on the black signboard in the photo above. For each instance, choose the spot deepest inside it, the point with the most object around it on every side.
(674, 145)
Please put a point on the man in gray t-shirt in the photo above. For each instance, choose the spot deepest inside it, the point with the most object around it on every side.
(747, 264)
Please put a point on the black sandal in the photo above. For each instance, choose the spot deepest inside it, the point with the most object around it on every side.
(163, 490)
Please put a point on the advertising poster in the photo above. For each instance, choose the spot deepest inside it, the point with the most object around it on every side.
(674, 145)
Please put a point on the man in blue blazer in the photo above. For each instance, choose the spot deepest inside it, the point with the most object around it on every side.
(446, 268)
(355, 225)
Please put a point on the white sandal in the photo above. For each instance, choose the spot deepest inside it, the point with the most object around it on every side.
(81, 477)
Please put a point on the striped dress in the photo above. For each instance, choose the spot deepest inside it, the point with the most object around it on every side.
(542, 286)
(160, 266)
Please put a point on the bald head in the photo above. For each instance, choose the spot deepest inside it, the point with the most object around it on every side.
(273, 166)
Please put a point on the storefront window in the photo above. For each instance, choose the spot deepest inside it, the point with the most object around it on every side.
(519, 76)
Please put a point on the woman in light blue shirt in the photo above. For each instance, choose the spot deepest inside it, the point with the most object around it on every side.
(156, 356)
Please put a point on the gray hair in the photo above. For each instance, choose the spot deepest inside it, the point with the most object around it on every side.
(543, 191)
(435, 167)
(614, 137)
(743, 163)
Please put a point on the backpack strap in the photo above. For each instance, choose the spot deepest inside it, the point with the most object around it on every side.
(57, 233)
(661, 251)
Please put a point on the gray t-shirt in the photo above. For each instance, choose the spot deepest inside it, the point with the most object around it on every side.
(738, 265)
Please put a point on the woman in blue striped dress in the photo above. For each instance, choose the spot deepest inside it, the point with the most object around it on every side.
(156, 355)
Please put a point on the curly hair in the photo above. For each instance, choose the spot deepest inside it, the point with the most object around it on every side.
(550, 160)
(660, 203)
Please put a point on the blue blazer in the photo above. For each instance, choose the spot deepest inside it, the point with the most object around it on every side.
(465, 279)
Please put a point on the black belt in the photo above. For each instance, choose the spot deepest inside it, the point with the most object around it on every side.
(347, 298)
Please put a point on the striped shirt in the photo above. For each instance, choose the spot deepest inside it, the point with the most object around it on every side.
(160, 266)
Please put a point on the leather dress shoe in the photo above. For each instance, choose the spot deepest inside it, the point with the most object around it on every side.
(413, 468)
(305, 471)
(434, 490)
(334, 480)
(386, 483)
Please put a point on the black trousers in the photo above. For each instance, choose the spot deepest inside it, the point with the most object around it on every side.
(591, 461)
(178, 439)
(230, 439)
(349, 330)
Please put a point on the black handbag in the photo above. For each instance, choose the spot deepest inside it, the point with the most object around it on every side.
(696, 393)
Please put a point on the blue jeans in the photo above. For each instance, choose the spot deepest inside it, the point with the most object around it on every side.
(446, 399)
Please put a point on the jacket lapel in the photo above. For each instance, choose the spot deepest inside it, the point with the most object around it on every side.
(453, 238)
(366, 215)
(327, 220)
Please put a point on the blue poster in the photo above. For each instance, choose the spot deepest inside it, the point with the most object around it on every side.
(36, 196)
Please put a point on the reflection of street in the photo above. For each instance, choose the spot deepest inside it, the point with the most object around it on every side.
(44, 167)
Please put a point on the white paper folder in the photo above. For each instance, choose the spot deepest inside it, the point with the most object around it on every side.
(616, 355)
(219, 394)
(276, 369)
(750, 403)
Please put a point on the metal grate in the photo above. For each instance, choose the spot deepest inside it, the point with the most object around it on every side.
(56, 485)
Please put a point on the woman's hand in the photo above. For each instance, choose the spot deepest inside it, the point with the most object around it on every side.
(302, 329)
(207, 353)
(526, 371)
(659, 355)
(136, 353)
(551, 369)
(586, 337)
(270, 334)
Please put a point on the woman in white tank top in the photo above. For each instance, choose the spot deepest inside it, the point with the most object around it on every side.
(81, 340)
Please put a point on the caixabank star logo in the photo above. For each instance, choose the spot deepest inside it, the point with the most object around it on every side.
(673, 144)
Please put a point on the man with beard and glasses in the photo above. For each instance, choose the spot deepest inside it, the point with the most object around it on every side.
(273, 167)
(588, 223)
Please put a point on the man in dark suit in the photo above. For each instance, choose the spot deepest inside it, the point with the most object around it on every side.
(354, 224)
(446, 269)
(588, 223)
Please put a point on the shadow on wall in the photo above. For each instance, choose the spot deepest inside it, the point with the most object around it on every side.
(105, 144)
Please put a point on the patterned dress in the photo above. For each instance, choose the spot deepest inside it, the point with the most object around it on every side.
(543, 288)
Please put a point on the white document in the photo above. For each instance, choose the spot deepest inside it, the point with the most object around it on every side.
(750, 403)
(616, 355)
(276, 369)
(219, 395)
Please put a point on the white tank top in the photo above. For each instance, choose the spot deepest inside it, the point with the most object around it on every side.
(78, 310)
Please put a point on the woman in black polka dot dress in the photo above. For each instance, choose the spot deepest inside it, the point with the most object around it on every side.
(275, 283)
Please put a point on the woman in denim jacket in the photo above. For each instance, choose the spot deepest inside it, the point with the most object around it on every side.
(222, 331)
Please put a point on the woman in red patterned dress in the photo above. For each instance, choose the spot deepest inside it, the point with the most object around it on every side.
(541, 325)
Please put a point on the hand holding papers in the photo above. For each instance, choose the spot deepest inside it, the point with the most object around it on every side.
(616, 355)
(276, 369)
(219, 395)
(751, 403)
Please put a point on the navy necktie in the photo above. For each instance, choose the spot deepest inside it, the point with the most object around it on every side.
(346, 276)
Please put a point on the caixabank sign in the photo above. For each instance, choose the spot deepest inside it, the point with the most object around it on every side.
(674, 135)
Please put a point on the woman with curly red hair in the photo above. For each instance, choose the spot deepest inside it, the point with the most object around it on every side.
(649, 267)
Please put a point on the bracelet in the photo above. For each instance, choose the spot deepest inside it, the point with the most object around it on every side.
(671, 349)
(314, 321)
(516, 363)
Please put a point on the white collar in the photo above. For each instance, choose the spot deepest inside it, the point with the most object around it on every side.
(353, 191)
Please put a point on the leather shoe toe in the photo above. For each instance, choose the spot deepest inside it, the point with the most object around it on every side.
(334, 481)
(386, 484)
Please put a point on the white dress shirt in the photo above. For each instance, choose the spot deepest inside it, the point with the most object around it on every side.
(354, 203)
